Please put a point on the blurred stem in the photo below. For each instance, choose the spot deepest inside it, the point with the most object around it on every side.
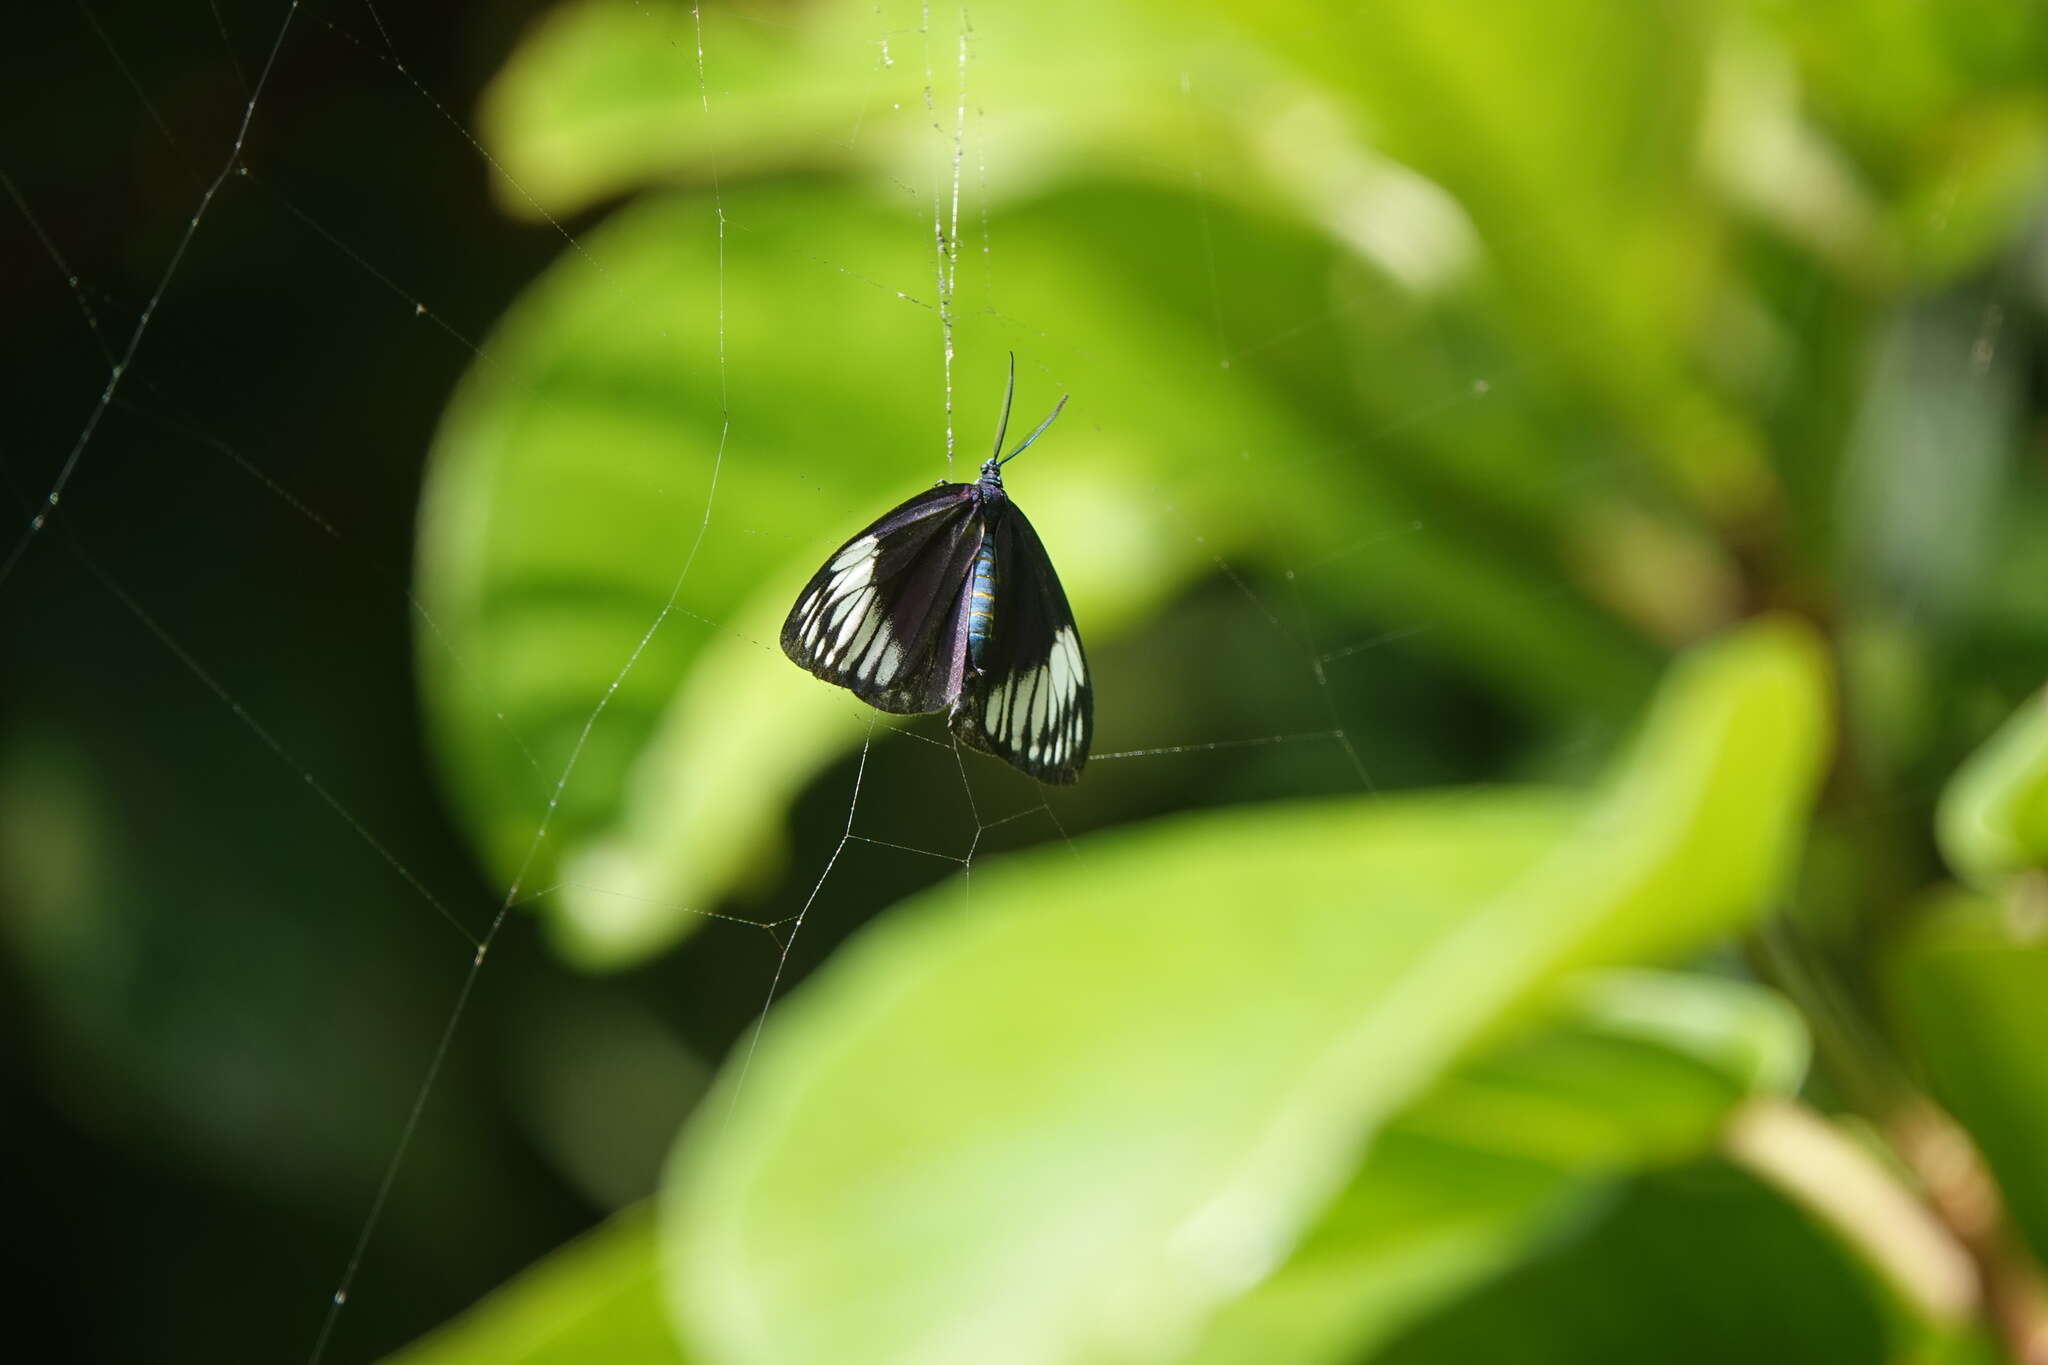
(1956, 1196)
(1796, 1149)
(1963, 1195)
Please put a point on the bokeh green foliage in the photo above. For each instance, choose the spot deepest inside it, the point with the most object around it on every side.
(1073, 1123)
(1572, 335)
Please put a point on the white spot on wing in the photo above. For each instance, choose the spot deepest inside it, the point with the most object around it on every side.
(1068, 646)
(841, 608)
(892, 659)
(872, 648)
(848, 621)
(862, 549)
(858, 630)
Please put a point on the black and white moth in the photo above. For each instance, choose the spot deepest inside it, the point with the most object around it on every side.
(949, 603)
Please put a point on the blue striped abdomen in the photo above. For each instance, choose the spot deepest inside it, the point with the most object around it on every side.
(981, 600)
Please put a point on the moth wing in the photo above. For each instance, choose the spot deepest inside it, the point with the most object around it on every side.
(878, 617)
(1032, 705)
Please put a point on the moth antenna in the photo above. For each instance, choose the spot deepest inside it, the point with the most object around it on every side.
(1009, 392)
(1036, 432)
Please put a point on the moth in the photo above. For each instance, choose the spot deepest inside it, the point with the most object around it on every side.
(949, 603)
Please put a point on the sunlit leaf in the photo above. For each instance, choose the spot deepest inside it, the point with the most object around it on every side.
(561, 559)
(1507, 1149)
(608, 96)
(1072, 1120)
(1604, 1091)
(580, 626)
(594, 1300)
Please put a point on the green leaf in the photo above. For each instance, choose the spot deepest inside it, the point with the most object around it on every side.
(1702, 1265)
(577, 618)
(578, 625)
(1993, 819)
(1638, 1073)
(595, 1299)
(1071, 1122)
(1567, 134)
(605, 96)
(1427, 1212)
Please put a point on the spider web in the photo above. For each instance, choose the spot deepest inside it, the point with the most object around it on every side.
(210, 616)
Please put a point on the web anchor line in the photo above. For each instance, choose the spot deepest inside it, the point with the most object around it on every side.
(339, 1298)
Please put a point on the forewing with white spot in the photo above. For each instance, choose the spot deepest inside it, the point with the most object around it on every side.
(879, 619)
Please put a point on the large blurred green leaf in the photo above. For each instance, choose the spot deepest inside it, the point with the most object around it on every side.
(1638, 1071)
(1577, 170)
(1073, 1123)
(605, 95)
(1586, 200)
(581, 462)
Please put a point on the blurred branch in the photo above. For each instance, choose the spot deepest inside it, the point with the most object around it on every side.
(1949, 1248)
(1796, 1149)
(1956, 1224)
(1964, 1197)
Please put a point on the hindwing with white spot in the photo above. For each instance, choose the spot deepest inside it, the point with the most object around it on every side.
(1031, 704)
(879, 617)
